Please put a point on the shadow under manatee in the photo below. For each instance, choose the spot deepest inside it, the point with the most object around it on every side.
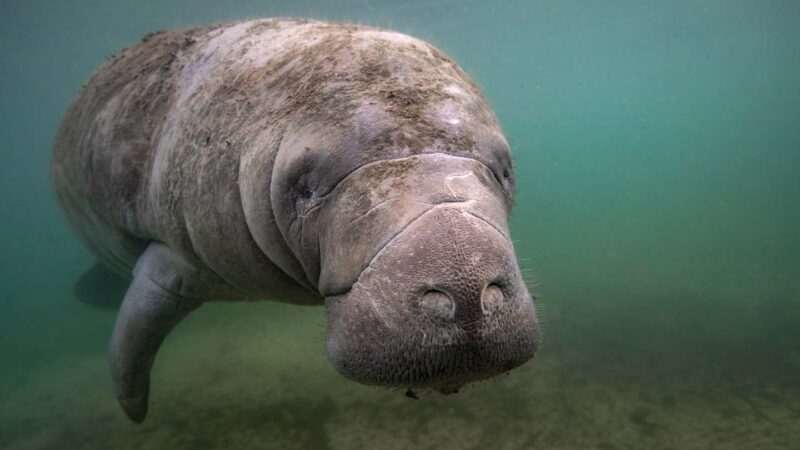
(101, 287)
(299, 421)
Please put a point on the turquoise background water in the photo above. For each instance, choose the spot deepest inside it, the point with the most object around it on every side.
(657, 148)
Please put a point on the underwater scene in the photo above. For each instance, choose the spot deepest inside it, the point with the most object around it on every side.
(656, 221)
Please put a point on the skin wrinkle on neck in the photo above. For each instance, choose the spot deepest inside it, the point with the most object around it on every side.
(306, 280)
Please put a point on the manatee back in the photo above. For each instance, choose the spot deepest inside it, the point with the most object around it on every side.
(150, 149)
(104, 147)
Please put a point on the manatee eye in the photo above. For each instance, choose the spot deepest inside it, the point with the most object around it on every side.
(303, 201)
(507, 183)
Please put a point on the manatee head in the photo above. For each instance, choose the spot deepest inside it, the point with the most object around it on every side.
(391, 189)
(430, 294)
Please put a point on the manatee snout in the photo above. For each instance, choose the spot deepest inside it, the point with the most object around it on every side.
(442, 304)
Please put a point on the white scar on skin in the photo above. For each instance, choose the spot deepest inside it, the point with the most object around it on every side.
(449, 113)
(450, 181)
(455, 89)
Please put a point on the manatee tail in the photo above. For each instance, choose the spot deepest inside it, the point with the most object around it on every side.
(100, 287)
(152, 306)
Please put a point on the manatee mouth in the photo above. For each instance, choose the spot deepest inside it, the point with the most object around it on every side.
(436, 356)
(443, 304)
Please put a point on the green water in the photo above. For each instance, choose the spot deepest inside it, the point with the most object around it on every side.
(658, 215)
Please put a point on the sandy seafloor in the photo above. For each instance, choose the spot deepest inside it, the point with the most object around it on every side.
(657, 150)
(255, 376)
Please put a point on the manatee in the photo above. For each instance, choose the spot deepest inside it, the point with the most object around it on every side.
(305, 162)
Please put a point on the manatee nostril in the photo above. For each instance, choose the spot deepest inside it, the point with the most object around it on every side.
(492, 299)
(437, 305)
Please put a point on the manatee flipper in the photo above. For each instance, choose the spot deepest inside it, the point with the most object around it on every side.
(157, 299)
(100, 287)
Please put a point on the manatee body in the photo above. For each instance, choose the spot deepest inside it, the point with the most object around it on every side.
(305, 162)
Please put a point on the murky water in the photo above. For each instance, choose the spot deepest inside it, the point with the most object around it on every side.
(658, 210)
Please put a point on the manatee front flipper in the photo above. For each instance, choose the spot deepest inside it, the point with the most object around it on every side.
(159, 297)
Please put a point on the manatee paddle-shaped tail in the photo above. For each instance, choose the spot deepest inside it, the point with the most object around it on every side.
(155, 302)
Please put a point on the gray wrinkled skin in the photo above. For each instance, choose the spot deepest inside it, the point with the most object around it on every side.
(304, 162)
